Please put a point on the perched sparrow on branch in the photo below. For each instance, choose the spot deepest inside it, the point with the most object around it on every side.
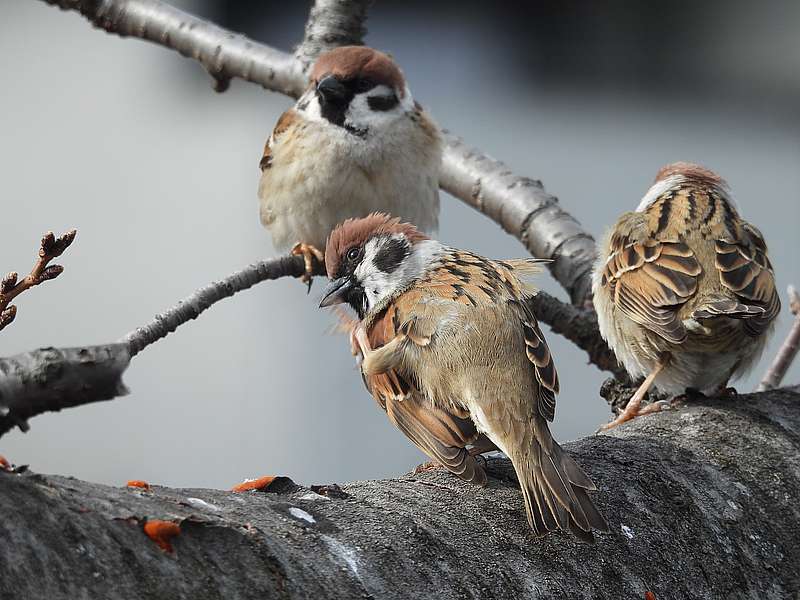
(354, 143)
(684, 291)
(454, 355)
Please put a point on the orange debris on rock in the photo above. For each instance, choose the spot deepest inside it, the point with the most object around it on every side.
(161, 532)
(649, 596)
(138, 483)
(4, 464)
(262, 483)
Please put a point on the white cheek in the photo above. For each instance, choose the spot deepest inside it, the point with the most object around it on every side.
(360, 115)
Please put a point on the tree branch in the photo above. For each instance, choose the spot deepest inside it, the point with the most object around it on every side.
(578, 325)
(519, 204)
(788, 350)
(332, 23)
(50, 379)
(224, 54)
(523, 208)
(191, 307)
(694, 513)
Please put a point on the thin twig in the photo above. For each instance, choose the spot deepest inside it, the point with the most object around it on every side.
(519, 204)
(192, 306)
(788, 351)
(50, 248)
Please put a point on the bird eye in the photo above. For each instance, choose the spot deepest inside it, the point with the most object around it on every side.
(353, 253)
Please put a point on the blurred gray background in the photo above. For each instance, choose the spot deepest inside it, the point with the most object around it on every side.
(127, 142)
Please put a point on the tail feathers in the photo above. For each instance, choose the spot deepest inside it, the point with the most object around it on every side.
(554, 489)
(727, 308)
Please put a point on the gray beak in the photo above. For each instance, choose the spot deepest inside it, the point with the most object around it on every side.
(331, 90)
(336, 292)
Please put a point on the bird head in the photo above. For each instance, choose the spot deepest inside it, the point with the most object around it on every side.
(357, 88)
(678, 174)
(372, 260)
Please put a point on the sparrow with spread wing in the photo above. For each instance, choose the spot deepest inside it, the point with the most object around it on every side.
(354, 143)
(684, 291)
(454, 355)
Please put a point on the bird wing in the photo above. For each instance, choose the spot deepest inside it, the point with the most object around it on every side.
(539, 354)
(478, 282)
(745, 269)
(286, 120)
(649, 276)
(443, 435)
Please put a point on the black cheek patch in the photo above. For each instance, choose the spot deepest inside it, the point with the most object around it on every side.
(391, 253)
(382, 103)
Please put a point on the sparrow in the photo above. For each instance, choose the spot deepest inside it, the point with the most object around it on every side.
(354, 143)
(683, 287)
(454, 355)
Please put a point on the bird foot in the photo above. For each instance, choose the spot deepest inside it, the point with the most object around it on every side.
(309, 253)
(631, 413)
(727, 393)
(690, 395)
(425, 467)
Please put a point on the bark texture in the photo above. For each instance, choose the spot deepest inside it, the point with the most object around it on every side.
(702, 503)
(522, 207)
(51, 379)
(332, 23)
(224, 54)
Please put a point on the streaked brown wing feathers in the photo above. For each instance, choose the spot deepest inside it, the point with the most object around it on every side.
(745, 269)
(438, 433)
(544, 368)
(649, 281)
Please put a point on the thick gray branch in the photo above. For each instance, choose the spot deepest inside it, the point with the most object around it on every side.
(51, 379)
(519, 204)
(702, 503)
(525, 210)
(224, 54)
(332, 23)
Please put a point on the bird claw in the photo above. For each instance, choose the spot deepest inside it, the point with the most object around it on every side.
(727, 393)
(309, 253)
(424, 467)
